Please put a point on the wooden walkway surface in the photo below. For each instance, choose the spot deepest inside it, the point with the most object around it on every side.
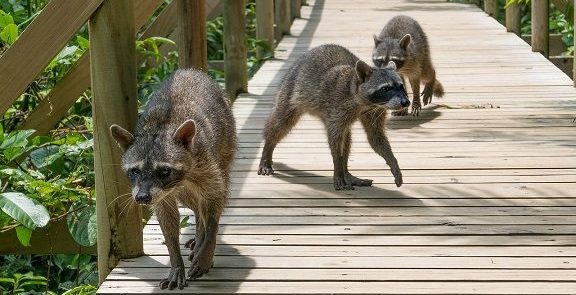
(489, 200)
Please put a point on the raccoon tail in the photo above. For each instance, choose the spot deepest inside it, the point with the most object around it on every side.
(438, 89)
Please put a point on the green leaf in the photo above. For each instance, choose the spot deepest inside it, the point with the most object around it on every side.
(45, 156)
(25, 210)
(82, 42)
(24, 234)
(16, 139)
(9, 34)
(82, 224)
(5, 19)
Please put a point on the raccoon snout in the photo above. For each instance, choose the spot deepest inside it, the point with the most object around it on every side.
(143, 197)
(405, 102)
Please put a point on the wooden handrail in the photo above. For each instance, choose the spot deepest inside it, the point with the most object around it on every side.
(57, 103)
(38, 44)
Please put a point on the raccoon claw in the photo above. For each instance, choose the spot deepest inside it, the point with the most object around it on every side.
(265, 169)
(176, 278)
(190, 244)
(399, 113)
(358, 181)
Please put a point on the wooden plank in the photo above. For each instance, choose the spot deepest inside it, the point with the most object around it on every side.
(113, 69)
(363, 275)
(428, 288)
(52, 28)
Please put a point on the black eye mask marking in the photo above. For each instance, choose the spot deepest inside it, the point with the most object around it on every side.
(385, 93)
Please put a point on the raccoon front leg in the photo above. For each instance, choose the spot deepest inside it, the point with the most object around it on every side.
(346, 153)
(278, 125)
(416, 104)
(337, 133)
(197, 239)
(203, 253)
(374, 127)
(168, 218)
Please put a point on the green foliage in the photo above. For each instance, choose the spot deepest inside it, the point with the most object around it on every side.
(26, 211)
(82, 223)
(20, 283)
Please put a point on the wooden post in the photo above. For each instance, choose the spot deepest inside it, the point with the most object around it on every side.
(491, 7)
(282, 17)
(265, 24)
(192, 44)
(235, 55)
(295, 8)
(574, 60)
(513, 15)
(113, 69)
(540, 35)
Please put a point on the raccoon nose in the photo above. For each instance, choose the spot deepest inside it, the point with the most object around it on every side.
(143, 198)
(404, 102)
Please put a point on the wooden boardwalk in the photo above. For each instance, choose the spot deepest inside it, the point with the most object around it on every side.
(489, 200)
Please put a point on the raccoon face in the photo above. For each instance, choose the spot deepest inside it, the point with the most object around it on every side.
(155, 164)
(389, 50)
(381, 86)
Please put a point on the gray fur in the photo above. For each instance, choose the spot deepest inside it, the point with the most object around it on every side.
(188, 129)
(334, 85)
(403, 41)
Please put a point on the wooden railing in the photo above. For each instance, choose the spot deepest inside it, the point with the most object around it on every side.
(540, 14)
(109, 68)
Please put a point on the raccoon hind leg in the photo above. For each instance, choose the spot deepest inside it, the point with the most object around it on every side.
(281, 121)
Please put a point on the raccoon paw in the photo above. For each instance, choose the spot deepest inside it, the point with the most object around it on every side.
(397, 176)
(176, 278)
(416, 107)
(340, 183)
(427, 94)
(402, 112)
(265, 169)
(358, 181)
(201, 265)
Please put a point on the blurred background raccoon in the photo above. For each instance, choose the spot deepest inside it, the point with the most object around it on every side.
(404, 42)
(334, 85)
(181, 152)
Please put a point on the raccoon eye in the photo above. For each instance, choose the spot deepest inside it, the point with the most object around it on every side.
(134, 172)
(164, 172)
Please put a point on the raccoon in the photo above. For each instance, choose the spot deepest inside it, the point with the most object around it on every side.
(334, 85)
(181, 152)
(404, 42)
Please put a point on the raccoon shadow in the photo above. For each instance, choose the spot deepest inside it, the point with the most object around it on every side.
(294, 176)
(407, 122)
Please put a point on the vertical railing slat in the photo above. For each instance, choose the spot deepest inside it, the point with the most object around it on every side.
(265, 23)
(113, 69)
(540, 37)
(235, 54)
(192, 46)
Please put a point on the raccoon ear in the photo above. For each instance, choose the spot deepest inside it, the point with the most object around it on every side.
(376, 41)
(123, 138)
(391, 66)
(185, 133)
(363, 71)
(405, 41)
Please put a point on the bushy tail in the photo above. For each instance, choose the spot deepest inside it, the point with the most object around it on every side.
(438, 89)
